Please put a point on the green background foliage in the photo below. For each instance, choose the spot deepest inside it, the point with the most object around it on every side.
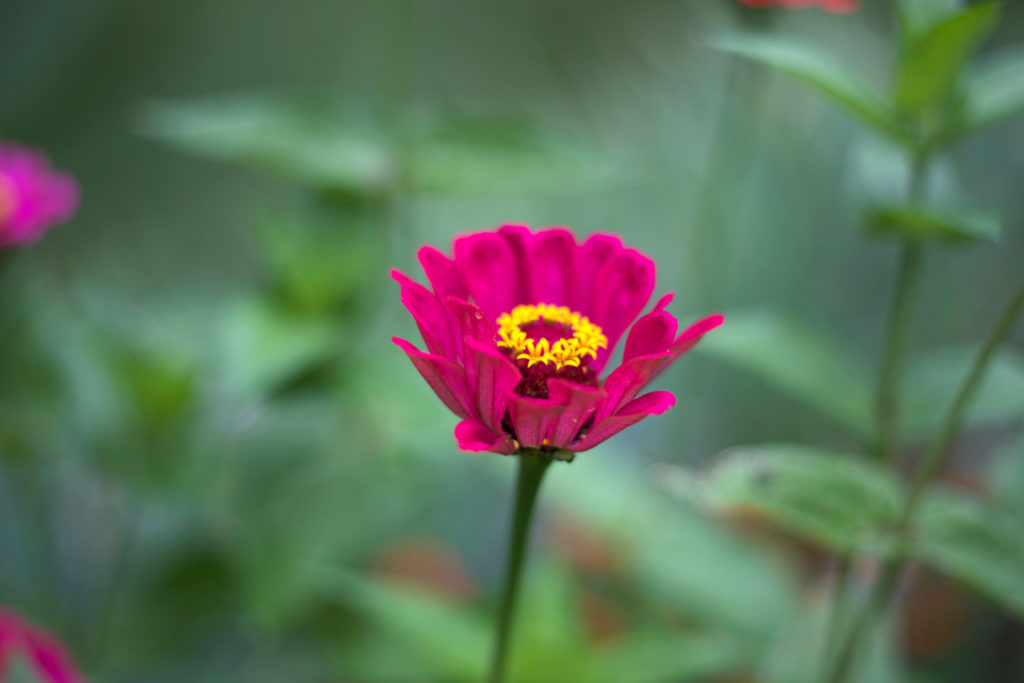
(214, 466)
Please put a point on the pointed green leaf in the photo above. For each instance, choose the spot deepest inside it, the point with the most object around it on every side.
(799, 361)
(993, 92)
(820, 73)
(923, 224)
(933, 60)
(840, 500)
(975, 542)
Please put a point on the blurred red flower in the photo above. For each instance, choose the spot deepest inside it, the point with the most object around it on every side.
(44, 656)
(519, 327)
(835, 6)
(33, 196)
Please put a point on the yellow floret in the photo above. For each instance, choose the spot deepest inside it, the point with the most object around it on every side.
(586, 338)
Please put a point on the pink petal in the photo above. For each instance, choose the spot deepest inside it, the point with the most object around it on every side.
(470, 322)
(432, 319)
(491, 376)
(654, 403)
(689, 338)
(579, 403)
(592, 256)
(554, 267)
(50, 658)
(628, 380)
(651, 334)
(533, 419)
(447, 379)
(444, 277)
(520, 241)
(489, 269)
(623, 287)
(474, 436)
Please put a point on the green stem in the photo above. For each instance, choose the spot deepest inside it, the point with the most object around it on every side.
(532, 466)
(898, 338)
(882, 592)
(897, 342)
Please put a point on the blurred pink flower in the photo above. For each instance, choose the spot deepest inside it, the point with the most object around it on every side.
(45, 657)
(519, 326)
(835, 6)
(33, 196)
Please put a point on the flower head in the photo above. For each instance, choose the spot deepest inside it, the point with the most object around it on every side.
(44, 656)
(834, 6)
(33, 196)
(519, 327)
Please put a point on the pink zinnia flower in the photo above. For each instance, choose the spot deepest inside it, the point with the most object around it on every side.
(834, 6)
(33, 196)
(45, 657)
(519, 327)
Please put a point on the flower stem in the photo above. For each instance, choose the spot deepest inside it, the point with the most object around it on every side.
(882, 591)
(896, 344)
(938, 452)
(532, 466)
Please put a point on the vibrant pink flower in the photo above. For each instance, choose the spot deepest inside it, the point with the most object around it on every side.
(44, 656)
(33, 196)
(519, 326)
(834, 6)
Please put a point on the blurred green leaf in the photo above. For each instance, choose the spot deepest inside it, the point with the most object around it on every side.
(308, 146)
(822, 74)
(265, 348)
(799, 361)
(676, 558)
(333, 151)
(993, 92)
(933, 379)
(1006, 477)
(920, 15)
(972, 541)
(664, 655)
(922, 224)
(839, 500)
(933, 60)
(444, 636)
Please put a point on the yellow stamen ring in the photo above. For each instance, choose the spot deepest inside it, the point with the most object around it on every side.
(586, 337)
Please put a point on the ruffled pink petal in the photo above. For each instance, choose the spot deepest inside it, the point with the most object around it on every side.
(554, 267)
(579, 403)
(629, 379)
(489, 269)
(654, 403)
(623, 287)
(491, 377)
(470, 322)
(447, 379)
(590, 258)
(533, 419)
(474, 436)
(520, 241)
(442, 273)
(431, 317)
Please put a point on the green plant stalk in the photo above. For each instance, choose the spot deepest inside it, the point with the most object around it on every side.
(883, 591)
(887, 398)
(898, 337)
(532, 465)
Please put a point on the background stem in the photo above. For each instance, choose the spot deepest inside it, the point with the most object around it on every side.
(531, 470)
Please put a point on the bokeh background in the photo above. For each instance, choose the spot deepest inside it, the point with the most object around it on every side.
(214, 465)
